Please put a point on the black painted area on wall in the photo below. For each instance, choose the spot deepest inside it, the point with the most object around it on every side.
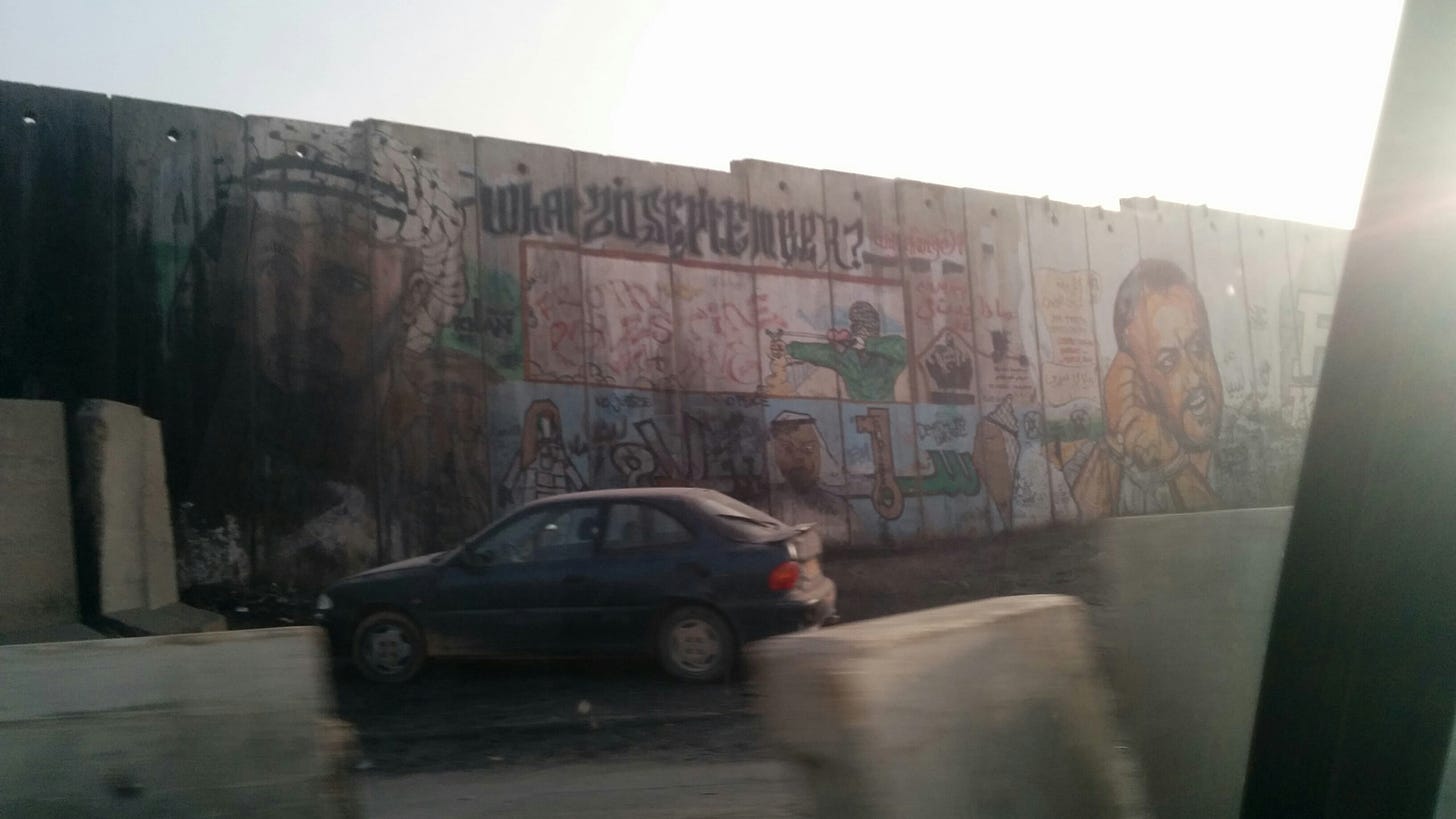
(58, 295)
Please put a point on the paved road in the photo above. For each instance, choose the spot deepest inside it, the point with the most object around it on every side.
(489, 715)
(764, 789)
(484, 714)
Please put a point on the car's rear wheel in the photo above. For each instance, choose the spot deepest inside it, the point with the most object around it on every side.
(695, 643)
(388, 647)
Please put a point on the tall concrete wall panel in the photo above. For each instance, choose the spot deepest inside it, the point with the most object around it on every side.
(429, 306)
(183, 352)
(1011, 431)
(59, 313)
(1189, 599)
(365, 341)
(38, 586)
(1228, 379)
(1315, 265)
(1066, 346)
(1270, 314)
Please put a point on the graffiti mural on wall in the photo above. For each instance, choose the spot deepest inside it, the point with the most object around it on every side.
(806, 471)
(629, 323)
(541, 467)
(717, 442)
(796, 310)
(358, 266)
(867, 361)
(882, 487)
(1070, 385)
(681, 223)
(953, 494)
(369, 340)
(1164, 398)
(358, 389)
(1011, 427)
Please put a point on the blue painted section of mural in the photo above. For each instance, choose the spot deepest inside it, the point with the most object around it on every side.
(372, 340)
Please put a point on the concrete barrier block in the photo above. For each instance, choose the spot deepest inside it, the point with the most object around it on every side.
(1185, 622)
(159, 551)
(108, 497)
(225, 724)
(991, 708)
(38, 580)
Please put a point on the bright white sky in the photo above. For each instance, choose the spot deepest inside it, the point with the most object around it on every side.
(1260, 106)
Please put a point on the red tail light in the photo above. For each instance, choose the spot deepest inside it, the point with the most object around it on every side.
(784, 576)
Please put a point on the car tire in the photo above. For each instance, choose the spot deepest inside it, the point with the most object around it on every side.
(388, 647)
(695, 643)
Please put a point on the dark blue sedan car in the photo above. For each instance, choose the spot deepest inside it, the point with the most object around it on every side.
(687, 575)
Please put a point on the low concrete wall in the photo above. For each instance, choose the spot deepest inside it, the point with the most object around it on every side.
(159, 555)
(38, 580)
(991, 708)
(1188, 602)
(108, 437)
(227, 724)
(125, 522)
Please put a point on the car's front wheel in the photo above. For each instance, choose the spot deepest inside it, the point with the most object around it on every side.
(388, 647)
(695, 643)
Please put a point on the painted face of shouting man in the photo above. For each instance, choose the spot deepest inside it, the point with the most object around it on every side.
(1162, 324)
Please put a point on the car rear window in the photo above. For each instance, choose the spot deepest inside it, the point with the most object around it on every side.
(738, 520)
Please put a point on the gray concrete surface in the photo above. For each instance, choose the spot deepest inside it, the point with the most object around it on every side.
(108, 436)
(767, 789)
(159, 554)
(173, 618)
(38, 582)
(62, 633)
(226, 724)
(125, 518)
(991, 708)
(1188, 602)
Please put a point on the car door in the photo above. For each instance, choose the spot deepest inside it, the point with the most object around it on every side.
(503, 594)
(636, 567)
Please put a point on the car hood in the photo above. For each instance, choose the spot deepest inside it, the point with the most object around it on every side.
(408, 564)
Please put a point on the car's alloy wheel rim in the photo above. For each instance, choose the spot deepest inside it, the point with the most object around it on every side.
(387, 649)
(694, 645)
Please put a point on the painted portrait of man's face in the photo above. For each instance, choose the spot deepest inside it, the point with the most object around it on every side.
(1168, 338)
(323, 303)
(796, 453)
(357, 256)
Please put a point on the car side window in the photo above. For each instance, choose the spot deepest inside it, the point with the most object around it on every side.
(570, 535)
(559, 533)
(510, 543)
(639, 526)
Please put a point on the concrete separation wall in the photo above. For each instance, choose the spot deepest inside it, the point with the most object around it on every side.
(1188, 602)
(38, 581)
(437, 327)
(231, 724)
(991, 708)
